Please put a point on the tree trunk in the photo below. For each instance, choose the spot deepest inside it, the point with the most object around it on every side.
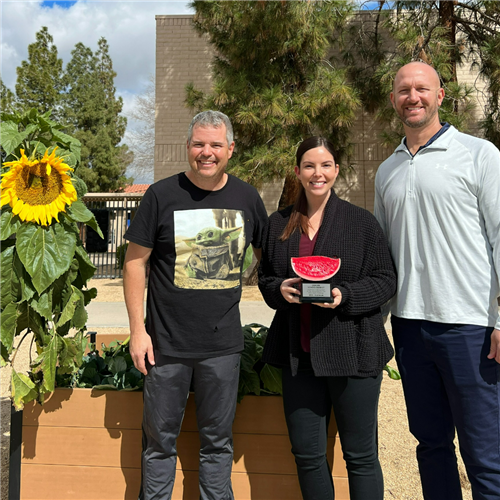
(446, 12)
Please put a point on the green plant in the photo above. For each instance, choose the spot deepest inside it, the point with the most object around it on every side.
(121, 250)
(115, 370)
(257, 377)
(44, 266)
(111, 370)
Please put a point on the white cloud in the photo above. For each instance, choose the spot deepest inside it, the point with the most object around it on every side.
(128, 26)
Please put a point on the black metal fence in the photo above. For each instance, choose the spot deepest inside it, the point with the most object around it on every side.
(113, 213)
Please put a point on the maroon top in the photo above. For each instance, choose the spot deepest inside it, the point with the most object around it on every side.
(306, 248)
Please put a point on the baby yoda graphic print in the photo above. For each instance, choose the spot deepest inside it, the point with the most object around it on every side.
(209, 247)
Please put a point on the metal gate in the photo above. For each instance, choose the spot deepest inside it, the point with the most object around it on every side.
(113, 213)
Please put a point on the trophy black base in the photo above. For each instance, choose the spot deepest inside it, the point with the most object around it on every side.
(312, 291)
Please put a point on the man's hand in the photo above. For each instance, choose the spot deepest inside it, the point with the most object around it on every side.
(495, 346)
(140, 347)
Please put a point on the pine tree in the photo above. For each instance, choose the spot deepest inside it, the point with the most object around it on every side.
(92, 112)
(7, 99)
(272, 77)
(39, 79)
(445, 34)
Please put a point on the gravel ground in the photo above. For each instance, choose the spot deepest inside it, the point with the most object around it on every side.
(396, 444)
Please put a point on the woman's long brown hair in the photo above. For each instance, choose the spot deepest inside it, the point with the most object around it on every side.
(298, 218)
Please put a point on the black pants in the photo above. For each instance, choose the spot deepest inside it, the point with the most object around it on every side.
(308, 402)
(166, 390)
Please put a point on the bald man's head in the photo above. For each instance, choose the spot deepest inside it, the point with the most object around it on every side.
(417, 95)
(420, 67)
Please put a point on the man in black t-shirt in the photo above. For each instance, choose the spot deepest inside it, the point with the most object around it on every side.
(194, 228)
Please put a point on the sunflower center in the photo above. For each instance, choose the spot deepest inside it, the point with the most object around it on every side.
(35, 187)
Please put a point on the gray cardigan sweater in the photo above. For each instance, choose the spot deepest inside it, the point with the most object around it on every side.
(349, 340)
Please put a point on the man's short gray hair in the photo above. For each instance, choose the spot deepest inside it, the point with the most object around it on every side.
(211, 119)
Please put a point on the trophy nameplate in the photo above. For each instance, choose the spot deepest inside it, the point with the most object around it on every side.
(316, 291)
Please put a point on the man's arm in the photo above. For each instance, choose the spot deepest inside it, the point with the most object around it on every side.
(489, 205)
(134, 286)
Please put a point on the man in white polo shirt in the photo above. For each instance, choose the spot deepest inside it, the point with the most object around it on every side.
(438, 200)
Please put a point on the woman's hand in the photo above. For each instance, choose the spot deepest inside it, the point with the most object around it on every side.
(290, 293)
(337, 298)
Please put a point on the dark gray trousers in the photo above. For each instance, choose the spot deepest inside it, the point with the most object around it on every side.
(166, 390)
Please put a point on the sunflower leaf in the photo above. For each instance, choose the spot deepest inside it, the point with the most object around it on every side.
(40, 146)
(43, 304)
(70, 308)
(45, 253)
(46, 125)
(28, 318)
(76, 150)
(8, 326)
(20, 282)
(11, 138)
(9, 224)
(89, 294)
(80, 186)
(80, 317)
(87, 269)
(9, 282)
(64, 138)
(30, 128)
(70, 357)
(4, 355)
(79, 212)
(47, 362)
(23, 389)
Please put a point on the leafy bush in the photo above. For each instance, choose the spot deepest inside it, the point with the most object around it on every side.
(112, 368)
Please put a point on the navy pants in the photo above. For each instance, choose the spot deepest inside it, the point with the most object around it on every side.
(308, 402)
(166, 389)
(450, 384)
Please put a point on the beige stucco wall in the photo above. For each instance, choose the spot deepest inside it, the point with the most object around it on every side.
(182, 56)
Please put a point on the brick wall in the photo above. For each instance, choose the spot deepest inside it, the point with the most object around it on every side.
(182, 56)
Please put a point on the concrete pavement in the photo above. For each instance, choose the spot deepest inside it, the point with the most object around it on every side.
(114, 314)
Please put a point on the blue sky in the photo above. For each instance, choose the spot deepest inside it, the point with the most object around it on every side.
(65, 4)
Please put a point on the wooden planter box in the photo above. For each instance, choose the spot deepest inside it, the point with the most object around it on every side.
(85, 445)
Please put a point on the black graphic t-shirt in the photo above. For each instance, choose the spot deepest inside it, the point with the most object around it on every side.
(199, 239)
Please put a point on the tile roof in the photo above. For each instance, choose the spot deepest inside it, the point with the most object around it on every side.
(136, 188)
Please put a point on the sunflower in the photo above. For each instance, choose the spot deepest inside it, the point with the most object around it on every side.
(37, 189)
